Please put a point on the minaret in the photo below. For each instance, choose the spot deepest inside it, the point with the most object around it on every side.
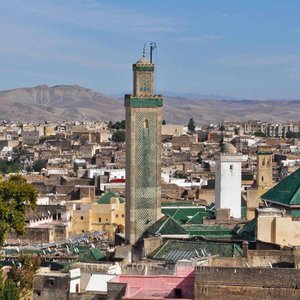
(228, 181)
(143, 152)
(264, 167)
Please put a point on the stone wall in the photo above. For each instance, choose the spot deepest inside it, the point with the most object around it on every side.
(255, 258)
(32, 235)
(50, 287)
(247, 283)
(115, 291)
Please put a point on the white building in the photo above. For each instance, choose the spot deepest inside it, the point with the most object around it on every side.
(228, 180)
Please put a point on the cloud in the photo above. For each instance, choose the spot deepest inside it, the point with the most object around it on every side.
(200, 38)
(77, 31)
(89, 15)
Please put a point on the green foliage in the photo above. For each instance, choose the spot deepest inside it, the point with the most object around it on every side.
(179, 175)
(191, 125)
(38, 165)
(291, 135)
(45, 138)
(7, 167)
(8, 289)
(23, 274)
(222, 128)
(118, 125)
(118, 136)
(15, 195)
(259, 134)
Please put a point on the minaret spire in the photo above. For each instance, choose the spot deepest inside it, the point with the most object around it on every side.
(144, 51)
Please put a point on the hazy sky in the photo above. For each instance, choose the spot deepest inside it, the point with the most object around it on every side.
(248, 49)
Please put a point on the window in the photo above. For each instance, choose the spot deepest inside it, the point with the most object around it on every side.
(117, 216)
(231, 167)
(99, 220)
(177, 293)
(146, 123)
(81, 217)
(262, 178)
(51, 281)
(123, 216)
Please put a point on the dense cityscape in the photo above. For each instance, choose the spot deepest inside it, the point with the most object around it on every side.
(186, 194)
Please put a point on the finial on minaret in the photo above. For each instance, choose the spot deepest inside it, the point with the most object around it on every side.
(144, 51)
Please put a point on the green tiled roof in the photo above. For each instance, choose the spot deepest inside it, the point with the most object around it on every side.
(211, 231)
(106, 198)
(92, 255)
(212, 248)
(246, 232)
(166, 225)
(177, 203)
(199, 216)
(286, 192)
(169, 211)
(183, 215)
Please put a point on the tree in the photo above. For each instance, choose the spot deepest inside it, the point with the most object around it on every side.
(10, 291)
(22, 275)
(290, 134)
(191, 125)
(7, 167)
(118, 136)
(259, 134)
(40, 164)
(119, 125)
(222, 128)
(15, 195)
(8, 288)
(164, 122)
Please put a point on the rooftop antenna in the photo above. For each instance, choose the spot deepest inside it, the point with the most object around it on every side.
(144, 51)
(152, 47)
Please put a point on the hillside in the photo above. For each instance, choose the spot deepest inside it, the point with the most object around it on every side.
(57, 103)
(70, 101)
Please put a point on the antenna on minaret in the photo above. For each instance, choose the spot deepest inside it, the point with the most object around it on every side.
(152, 47)
(144, 50)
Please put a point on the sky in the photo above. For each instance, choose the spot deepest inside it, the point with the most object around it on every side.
(244, 49)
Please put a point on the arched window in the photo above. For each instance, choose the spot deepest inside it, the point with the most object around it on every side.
(146, 123)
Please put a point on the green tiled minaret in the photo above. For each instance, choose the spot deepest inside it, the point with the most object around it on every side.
(143, 152)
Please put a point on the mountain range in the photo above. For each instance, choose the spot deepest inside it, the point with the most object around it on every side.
(70, 102)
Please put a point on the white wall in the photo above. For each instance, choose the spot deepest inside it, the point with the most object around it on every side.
(228, 183)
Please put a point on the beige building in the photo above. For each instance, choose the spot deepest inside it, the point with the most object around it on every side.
(276, 228)
(106, 214)
(174, 130)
